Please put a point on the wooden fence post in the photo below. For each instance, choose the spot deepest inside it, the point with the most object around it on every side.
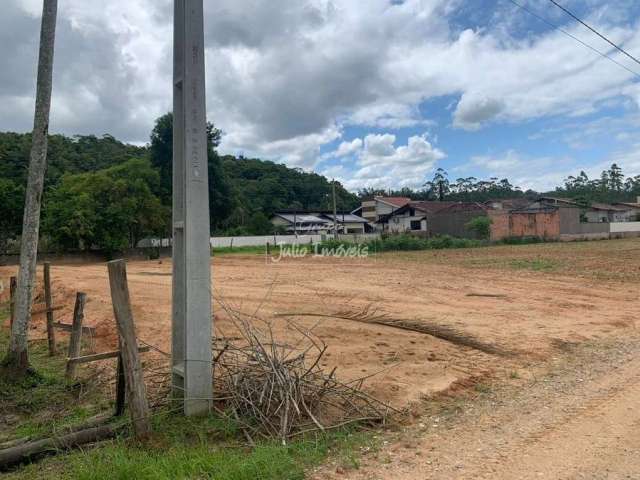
(13, 285)
(133, 375)
(121, 386)
(75, 340)
(51, 334)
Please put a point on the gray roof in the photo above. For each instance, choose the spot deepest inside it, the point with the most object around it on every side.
(346, 218)
(301, 218)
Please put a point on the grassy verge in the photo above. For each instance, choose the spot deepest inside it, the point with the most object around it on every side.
(408, 243)
(181, 448)
(250, 250)
(391, 243)
(203, 448)
(43, 402)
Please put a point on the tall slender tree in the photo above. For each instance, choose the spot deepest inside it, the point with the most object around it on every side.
(18, 356)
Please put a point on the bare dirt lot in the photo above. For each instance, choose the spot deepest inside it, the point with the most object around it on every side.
(541, 296)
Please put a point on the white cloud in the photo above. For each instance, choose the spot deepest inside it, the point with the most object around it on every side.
(382, 164)
(475, 110)
(348, 148)
(285, 78)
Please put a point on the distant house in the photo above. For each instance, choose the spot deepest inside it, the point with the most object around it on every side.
(348, 222)
(596, 212)
(604, 212)
(375, 208)
(413, 217)
(318, 222)
(507, 203)
(299, 222)
(632, 210)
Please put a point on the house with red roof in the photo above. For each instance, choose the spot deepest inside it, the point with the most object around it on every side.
(380, 206)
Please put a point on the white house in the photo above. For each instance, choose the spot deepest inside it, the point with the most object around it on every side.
(412, 217)
(377, 207)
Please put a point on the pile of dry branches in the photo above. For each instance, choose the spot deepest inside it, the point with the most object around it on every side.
(280, 390)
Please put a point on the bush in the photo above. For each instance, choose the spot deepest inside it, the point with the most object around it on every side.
(481, 226)
(392, 243)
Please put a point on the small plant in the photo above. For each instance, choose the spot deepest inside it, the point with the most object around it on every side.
(480, 226)
(482, 388)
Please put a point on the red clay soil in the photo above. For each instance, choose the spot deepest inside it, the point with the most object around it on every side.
(534, 308)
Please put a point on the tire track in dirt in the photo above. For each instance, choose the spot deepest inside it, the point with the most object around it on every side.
(582, 424)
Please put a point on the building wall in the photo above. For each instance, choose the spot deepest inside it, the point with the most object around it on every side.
(402, 223)
(383, 208)
(569, 219)
(541, 224)
(453, 223)
(623, 227)
(369, 210)
(516, 224)
(596, 216)
(353, 227)
(499, 224)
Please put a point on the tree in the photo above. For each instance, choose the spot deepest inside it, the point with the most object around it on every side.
(111, 209)
(11, 201)
(616, 178)
(259, 224)
(439, 185)
(17, 358)
(221, 199)
(481, 226)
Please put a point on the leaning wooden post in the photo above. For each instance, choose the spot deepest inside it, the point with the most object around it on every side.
(51, 334)
(13, 285)
(75, 341)
(133, 376)
(121, 389)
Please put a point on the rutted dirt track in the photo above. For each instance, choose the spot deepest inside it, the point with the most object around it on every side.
(581, 422)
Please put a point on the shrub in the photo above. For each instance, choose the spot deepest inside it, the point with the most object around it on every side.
(481, 226)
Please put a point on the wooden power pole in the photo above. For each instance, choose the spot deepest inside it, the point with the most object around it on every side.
(191, 309)
(18, 355)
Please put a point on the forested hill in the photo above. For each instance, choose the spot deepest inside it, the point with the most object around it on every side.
(65, 155)
(267, 186)
(100, 192)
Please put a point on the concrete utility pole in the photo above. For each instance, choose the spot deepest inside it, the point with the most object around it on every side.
(192, 319)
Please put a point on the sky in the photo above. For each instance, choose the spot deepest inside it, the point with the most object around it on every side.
(375, 93)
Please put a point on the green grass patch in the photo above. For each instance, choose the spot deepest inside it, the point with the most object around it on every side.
(44, 401)
(202, 448)
(250, 250)
(394, 243)
(180, 448)
(535, 264)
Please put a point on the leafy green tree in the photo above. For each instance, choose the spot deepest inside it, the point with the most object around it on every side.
(111, 209)
(11, 205)
(481, 226)
(616, 178)
(259, 224)
(221, 198)
(439, 186)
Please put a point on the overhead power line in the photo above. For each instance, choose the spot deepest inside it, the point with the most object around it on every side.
(560, 29)
(595, 31)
